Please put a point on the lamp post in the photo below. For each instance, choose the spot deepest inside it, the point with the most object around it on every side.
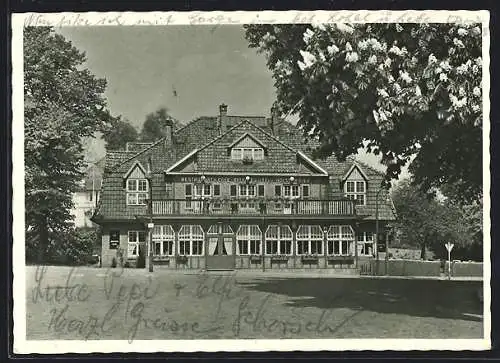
(150, 224)
(387, 231)
(377, 224)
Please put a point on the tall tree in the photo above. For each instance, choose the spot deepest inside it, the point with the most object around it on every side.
(425, 222)
(64, 103)
(400, 90)
(154, 127)
(119, 133)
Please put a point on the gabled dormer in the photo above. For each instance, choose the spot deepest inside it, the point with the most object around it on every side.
(355, 184)
(247, 148)
(136, 184)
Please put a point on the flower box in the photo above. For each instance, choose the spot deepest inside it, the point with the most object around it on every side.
(247, 161)
(255, 258)
(309, 259)
(182, 260)
(279, 259)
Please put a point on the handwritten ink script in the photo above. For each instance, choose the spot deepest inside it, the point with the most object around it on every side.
(128, 304)
(228, 18)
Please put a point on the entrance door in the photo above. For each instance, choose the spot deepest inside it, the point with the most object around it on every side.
(220, 248)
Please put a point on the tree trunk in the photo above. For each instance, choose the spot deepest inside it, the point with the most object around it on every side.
(43, 235)
(422, 251)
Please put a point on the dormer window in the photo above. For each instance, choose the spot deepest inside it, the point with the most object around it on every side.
(247, 148)
(247, 153)
(356, 190)
(137, 191)
(355, 184)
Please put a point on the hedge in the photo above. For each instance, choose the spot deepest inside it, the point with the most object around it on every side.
(406, 268)
(464, 269)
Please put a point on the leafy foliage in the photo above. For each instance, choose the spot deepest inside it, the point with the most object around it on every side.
(425, 222)
(399, 90)
(72, 247)
(155, 125)
(119, 133)
(64, 103)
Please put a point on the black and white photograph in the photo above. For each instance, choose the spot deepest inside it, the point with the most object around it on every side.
(251, 181)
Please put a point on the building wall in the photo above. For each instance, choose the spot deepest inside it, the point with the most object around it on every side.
(267, 262)
(82, 205)
(107, 254)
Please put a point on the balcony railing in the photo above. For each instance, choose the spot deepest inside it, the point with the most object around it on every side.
(256, 207)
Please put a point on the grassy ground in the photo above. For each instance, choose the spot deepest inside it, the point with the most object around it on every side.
(91, 303)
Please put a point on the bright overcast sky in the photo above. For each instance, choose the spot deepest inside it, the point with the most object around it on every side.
(205, 65)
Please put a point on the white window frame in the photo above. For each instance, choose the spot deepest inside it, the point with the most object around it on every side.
(291, 191)
(338, 235)
(256, 153)
(134, 242)
(246, 188)
(220, 189)
(191, 234)
(135, 194)
(309, 234)
(251, 235)
(365, 239)
(263, 189)
(283, 234)
(163, 234)
(356, 194)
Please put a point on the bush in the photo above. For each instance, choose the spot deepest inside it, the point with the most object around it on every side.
(73, 247)
(113, 262)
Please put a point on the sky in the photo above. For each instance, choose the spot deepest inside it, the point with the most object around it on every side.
(190, 70)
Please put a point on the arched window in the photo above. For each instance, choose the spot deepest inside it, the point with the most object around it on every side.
(278, 240)
(309, 240)
(191, 240)
(163, 240)
(248, 240)
(340, 240)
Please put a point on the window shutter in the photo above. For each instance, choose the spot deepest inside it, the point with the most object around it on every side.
(277, 190)
(305, 191)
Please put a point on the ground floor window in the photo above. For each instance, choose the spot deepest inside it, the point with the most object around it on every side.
(309, 240)
(278, 240)
(365, 243)
(248, 240)
(163, 240)
(340, 240)
(134, 238)
(191, 240)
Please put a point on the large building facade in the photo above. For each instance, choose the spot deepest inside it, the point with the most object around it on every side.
(238, 192)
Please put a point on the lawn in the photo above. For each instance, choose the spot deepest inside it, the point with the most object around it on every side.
(91, 303)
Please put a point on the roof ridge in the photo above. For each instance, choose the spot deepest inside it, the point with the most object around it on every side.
(363, 164)
(192, 122)
(137, 154)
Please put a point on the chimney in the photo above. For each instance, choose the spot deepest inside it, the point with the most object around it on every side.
(222, 118)
(168, 134)
(273, 119)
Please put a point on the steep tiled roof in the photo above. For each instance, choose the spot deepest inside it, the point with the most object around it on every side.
(201, 134)
(281, 158)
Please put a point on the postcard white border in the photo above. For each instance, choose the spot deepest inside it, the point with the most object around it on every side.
(23, 346)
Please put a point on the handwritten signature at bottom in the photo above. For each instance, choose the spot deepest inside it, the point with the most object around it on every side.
(249, 318)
